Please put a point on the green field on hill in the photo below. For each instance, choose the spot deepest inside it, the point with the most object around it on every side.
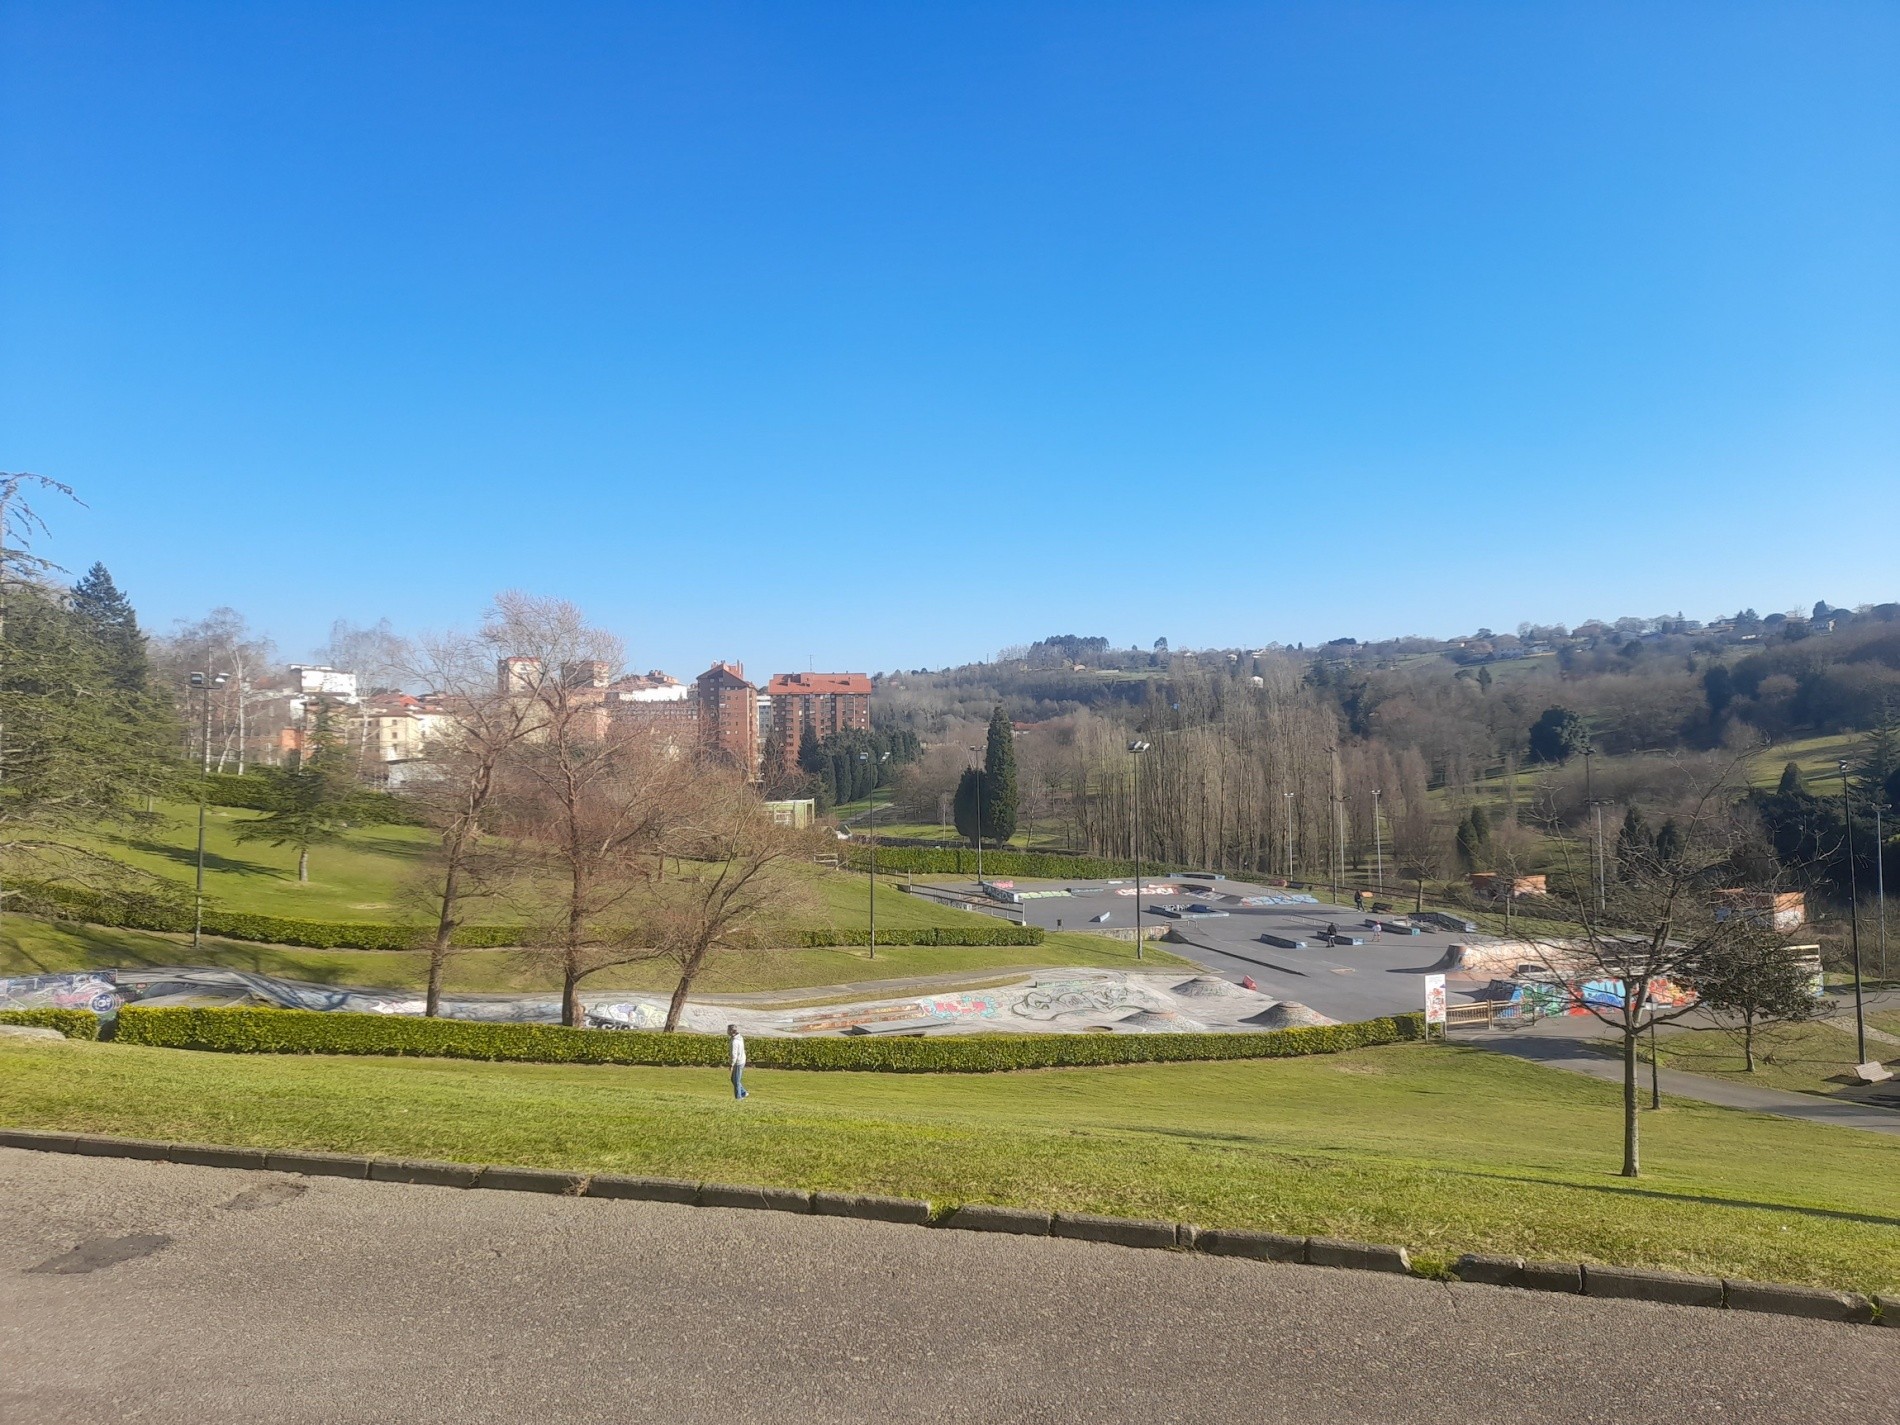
(1443, 1150)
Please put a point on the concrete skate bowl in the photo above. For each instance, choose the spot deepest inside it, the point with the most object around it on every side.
(1290, 1014)
(1211, 987)
(1162, 1021)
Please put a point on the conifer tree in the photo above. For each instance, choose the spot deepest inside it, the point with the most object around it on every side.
(999, 780)
(108, 614)
(1792, 784)
(310, 802)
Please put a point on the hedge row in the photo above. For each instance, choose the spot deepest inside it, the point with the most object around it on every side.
(1041, 865)
(999, 934)
(73, 1023)
(155, 913)
(296, 1031)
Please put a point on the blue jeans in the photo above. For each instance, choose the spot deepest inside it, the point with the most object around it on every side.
(738, 1080)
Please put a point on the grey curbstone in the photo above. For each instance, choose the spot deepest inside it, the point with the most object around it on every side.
(423, 1173)
(1186, 1235)
(1361, 1256)
(205, 1155)
(1122, 1231)
(1634, 1284)
(911, 1211)
(642, 1189)
(1489, 1271)
(978, 1217)
(318, 1165)
(1552, 1276)
(144, 1149)
(39, 1140)
(1813, 1302)
(533, 1180)
(754, 1198)
(1889, 1309)
(1261, 1246)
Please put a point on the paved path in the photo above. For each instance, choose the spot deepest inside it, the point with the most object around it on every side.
(174, 1294)
(1574, 1052)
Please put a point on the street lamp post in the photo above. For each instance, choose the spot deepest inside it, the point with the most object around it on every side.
(871, 816)
(1136, 747)
(1289, 836)
(1332, 831)
(1853, 915)
(1880, 886)
(205, 683)
(1378, 845)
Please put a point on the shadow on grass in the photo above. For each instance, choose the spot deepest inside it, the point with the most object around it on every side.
(187, 857)
(1700, 1199)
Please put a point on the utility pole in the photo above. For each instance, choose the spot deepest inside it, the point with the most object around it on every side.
(1853, 916)
(1136, 748)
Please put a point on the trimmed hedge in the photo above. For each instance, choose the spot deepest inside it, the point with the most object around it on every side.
(73, 1023)
(298, 1031)
(1039, 865)
(966, 935)
(155, 913)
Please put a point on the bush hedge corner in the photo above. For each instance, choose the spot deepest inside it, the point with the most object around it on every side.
(73, 1023)
(298, 1031)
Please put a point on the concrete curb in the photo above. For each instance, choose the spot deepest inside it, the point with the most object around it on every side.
(1617, 1283)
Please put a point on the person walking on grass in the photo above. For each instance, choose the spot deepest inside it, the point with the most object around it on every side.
(738, 1060)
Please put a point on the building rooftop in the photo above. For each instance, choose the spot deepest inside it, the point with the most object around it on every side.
(795, 684)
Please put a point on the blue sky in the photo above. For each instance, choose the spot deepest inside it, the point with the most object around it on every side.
(885, 335)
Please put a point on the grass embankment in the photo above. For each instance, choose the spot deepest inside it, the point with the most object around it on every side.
(35, 947)
(1802, 1058)
(1442, 1149)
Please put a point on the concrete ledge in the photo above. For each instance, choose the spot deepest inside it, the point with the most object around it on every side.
(1889, 1309)
(533, 1180)
(143, 1149)
(423, 1173)
(1552, 1276)
(1489, 1271)
(755, 1198)
(1361, 1256)
(912, 1211)
(40, 1140)
(1260, 1246)
(1632, 1284)
(1122, 1231)
(205, 1155)
(318, 1165)
(981, 1218)
(641, 1189)
(1815, 1303)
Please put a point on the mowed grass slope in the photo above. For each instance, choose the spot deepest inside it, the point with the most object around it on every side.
(1441, 1149)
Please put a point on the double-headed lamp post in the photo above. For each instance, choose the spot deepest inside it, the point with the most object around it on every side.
(205, 684)
(1136, 747)
(871, 816)
(1378, 845)
(1853, 915)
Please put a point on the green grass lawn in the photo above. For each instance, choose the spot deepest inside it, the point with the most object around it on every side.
(34, 947)
(1803, 1058)
(1441, 1149)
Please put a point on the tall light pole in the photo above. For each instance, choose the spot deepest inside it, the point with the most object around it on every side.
(1136, 747)
(979, 819)
(871, 816)
(205, 683)
(1378, 845)
(1332, 816)
(1853, 915)
(1289, 837)
(1596, 808)
(1880, 883)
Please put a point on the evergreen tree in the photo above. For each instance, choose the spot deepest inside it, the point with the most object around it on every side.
(1484, 679)
(1669, 843)
(310, 802)
(1474, 840)
(1557, 734)
(109, 617)
(1635, 846)
(964, 804)
(999, 780)
(1791, 784)
(1877, 769)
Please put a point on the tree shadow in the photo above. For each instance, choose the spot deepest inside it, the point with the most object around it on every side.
(1703, 1199)
(187, 856)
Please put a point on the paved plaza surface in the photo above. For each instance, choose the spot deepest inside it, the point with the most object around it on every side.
(164, 1293)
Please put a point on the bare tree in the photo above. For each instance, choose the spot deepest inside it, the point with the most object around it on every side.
(1661, 934)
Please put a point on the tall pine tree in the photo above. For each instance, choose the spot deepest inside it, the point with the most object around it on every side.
(999, 780)
(108, 615)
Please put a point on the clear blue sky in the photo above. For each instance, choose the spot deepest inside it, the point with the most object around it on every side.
(888, 334)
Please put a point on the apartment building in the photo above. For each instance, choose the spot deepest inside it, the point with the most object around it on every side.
(823, 704)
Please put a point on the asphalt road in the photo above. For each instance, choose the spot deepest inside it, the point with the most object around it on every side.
(159, 1293)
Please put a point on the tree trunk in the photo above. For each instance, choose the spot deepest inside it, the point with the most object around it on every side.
(303, 864)
(570, 995)
(688, 971)
(445, 925)
(1631, 1163)
(1748, 1043)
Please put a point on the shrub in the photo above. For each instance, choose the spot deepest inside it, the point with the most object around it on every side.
(296, 1031)
(966, 935)
(73, 1023)
(955, 861)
